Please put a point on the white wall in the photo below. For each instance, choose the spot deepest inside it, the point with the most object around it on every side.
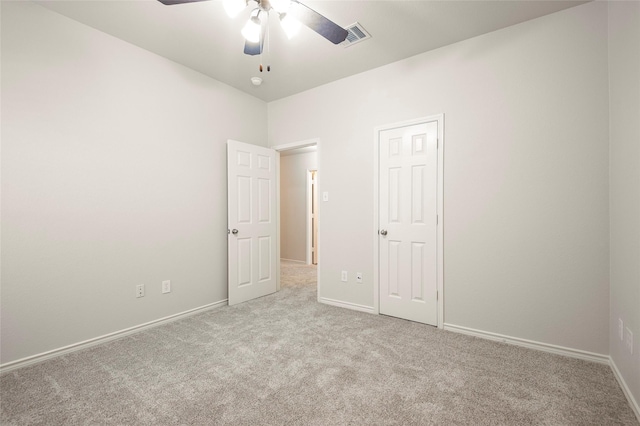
(293, 203)
(526, 174)
(113, 174)
(624, 131)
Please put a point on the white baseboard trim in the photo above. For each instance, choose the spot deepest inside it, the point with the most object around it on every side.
(531, 344)
(625, 389)
(34, 359)
(302, 262)
(346, 305)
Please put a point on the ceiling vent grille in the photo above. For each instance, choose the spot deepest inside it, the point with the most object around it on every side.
(356, 34)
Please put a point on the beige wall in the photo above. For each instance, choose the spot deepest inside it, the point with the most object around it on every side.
(526, 174)
(624, 131)
(293, 204)
(113, 175)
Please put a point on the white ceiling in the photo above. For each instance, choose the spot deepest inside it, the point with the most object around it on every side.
(202, 37)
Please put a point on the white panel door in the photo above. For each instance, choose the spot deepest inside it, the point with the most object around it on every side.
(251, 180)
(408, 222)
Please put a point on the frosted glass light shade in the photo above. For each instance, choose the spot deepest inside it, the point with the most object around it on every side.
(251, 30)
(234, 7)
(290, 25)
(280, 6)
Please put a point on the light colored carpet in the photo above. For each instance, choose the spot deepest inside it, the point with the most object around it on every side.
(285, 359)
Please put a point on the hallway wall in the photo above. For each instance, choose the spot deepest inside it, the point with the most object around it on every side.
(293, 203)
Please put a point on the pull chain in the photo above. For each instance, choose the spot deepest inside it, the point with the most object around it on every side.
(261, 40)
(268, 49)
(268, 43)
(260, 47)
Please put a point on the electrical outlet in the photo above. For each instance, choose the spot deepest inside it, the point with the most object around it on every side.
(140, 290)
(620, 329)
(345, 276)
(359, 277)
(629, 341)
(166, 286)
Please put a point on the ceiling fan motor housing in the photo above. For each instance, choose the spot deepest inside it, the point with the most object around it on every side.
(264, 5)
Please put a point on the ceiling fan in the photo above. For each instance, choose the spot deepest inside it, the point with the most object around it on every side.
(292, 13)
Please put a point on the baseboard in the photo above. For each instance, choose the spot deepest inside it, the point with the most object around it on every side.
(34, 359)
(531, 344)
(625, 389)
(346, 305)
(302, 262)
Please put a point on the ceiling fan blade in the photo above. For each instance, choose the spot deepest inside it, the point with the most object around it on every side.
(318, 23)
(172, 2)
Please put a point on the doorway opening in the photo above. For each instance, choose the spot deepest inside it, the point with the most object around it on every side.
(298, 213)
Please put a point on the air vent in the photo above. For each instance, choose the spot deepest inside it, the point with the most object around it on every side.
(357, 33)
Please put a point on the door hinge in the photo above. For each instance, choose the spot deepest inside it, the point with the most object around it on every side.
(437, 295)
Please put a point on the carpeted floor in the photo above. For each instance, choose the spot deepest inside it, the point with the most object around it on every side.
(285, 359)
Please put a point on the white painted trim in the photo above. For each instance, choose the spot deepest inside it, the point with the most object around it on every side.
(278, 253)
(296, 145)
(531, 344)
(318, 214)
(347, 305)
(34, 359)
(440, 210)
(302, 262)
(308, 212)
(440, 227)
(625, 389)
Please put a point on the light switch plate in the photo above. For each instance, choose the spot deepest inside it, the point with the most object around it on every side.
(325, 196)
(620, 329)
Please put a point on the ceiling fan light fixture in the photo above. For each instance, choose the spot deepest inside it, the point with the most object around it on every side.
(280, 6)
(290, 25)
(256, 30)
(251, 30)
(234, 7)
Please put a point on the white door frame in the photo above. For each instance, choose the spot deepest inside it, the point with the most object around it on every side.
(312, 215)
(309, 213)
(439, 202)
(286, 147)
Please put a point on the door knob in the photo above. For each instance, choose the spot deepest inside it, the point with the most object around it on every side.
(383, 232)
(234, 231)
